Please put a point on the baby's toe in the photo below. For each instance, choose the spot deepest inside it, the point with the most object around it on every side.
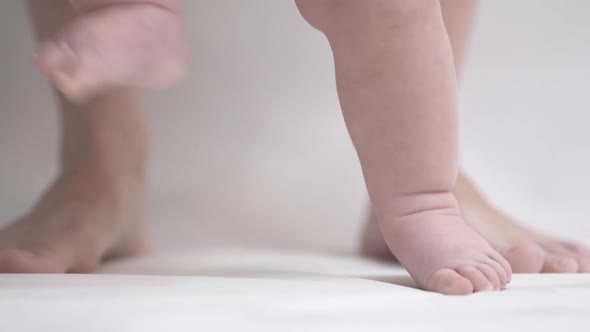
(502, 266)
(491, 274)
(478, 279)
(504, 275)
(504, 263)
(449, 282)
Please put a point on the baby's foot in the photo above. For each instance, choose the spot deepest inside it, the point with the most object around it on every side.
(126, 45)
(442, 253)
(528, 251)
(84, 218)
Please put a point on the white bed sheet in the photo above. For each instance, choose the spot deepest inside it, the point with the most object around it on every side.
(266, 291)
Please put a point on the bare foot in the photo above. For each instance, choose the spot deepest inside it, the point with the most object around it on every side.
(526, 250)
(441, 252)
(119, 46)
(83, 219)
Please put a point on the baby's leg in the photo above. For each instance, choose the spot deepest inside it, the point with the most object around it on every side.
(458, 17)
(527, 250)
(397, 88)
(92, 210)
(115, 44)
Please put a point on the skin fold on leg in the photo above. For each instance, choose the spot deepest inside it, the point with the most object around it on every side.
(397, 87)
(527, 250)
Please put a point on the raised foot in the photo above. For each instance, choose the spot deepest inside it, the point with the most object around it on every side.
(119, 46)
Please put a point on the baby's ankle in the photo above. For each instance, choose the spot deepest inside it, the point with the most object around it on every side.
(404, 206)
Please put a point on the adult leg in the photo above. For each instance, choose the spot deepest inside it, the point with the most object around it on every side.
(93, 208)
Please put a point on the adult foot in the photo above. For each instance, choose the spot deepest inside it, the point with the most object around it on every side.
(527, 250)
(84, 218)
(119, 46)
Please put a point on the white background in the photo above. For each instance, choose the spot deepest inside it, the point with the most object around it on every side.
(251, 150)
